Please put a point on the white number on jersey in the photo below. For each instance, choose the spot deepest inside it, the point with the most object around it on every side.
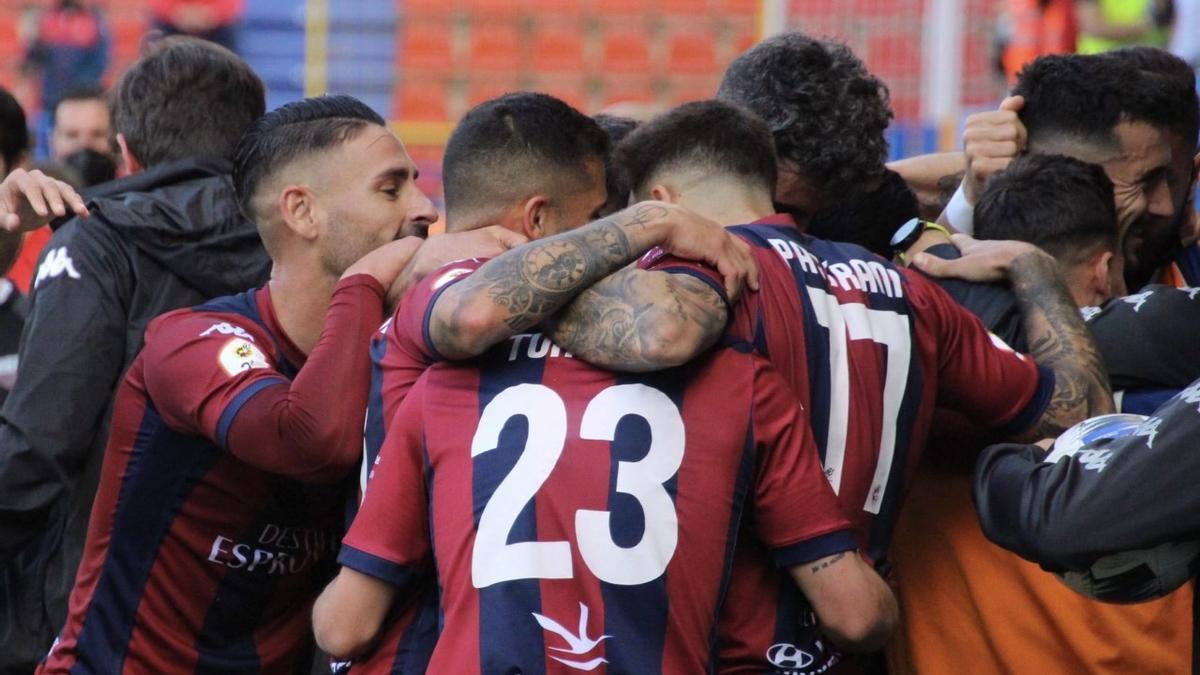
(493, 560)
(855, 321)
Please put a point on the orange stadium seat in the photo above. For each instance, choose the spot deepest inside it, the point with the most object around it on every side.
(609, 7)
(692, 53)
(636, 88)
(683, 6)
(558, 48)
(626, 52)
(495, 46)
(482, 89)
(422, 100)
(564, 8)
(426, 45)
(567, 88)
(738, 7)
(496, 8)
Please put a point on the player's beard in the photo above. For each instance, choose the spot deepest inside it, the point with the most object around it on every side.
(344, 245)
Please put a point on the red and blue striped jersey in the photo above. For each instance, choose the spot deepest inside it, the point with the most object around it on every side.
(197, 559)
(581, 519)
(871, 350)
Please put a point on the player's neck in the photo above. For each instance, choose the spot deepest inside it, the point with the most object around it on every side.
(300, 299)
(728, 205)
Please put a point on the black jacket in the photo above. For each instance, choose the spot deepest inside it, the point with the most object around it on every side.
(159, 240)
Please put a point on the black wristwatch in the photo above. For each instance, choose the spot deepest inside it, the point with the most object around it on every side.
(909, 232)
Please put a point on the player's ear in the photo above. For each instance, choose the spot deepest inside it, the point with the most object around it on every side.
(1099, 277)
(299, 211)
(132, 165)
(535, 217)
(663, 193)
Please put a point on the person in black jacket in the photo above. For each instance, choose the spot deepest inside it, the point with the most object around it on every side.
(166, 237)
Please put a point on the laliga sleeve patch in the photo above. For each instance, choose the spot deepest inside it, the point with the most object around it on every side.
(238, 356)
(450, 275)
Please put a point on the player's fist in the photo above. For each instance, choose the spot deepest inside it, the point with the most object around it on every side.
(990, 141)
(31, 199)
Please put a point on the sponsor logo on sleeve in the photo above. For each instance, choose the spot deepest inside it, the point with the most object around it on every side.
(224, 328)
(56, 263)
(238, 356)
(1000, 344)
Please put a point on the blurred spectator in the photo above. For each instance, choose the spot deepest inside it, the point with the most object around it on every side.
(70, 48)
(1036, 28)
(1108, 24)
(81, 121)
(213, 20)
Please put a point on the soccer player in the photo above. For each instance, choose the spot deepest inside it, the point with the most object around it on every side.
(529, 164)
(221, 493)
(946, 570)
(868, 348)
(581, 518)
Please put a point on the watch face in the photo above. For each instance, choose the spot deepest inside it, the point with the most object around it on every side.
(906, 234)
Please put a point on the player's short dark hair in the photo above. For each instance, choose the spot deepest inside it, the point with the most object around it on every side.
(1177, 82)
(1061, 204)
(827, 112)
(81, 92)
(616, 179)
(712, 135)
(517, 145)
(185, 97)
(868, 219)
(297, 129)
(1082, 98)
(14, 134)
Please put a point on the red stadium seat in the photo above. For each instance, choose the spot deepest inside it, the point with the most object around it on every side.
(573, 90)
(692, 53)
(691, 7)
(558, 48)
(495, 46)
(422, 100)
(738, 7)
(610, 7)
(425, 8)
(628, 88)
(426, 45)
(496, 8)
(626, 52)
(482, 89)
(10, 43)
(127, 32)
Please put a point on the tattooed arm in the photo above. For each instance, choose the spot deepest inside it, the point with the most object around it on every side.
(1059, 340)
(1057, 336)
(523, 287)
(638, 320)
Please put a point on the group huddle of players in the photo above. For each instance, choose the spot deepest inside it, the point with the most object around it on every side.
(629, 414)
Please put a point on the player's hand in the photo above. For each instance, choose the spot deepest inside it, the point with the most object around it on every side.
(439, 249)
(694, 237)
(31, 199)
(386, 262)
(981, 261)
(990, 141)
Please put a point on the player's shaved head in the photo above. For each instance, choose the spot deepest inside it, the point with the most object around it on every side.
(278, 140)
(708, 138)
(513, 147)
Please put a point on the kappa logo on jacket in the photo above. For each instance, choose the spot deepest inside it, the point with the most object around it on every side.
(56, 262)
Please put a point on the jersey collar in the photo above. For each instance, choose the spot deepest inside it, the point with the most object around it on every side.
(778, 220)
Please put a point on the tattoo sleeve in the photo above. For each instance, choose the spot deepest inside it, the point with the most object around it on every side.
(519, 289)
(1059, 340)
(638, 320)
